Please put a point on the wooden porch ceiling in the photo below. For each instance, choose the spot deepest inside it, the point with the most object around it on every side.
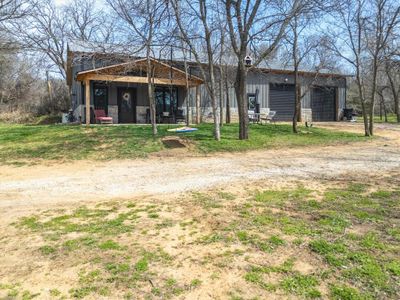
(164, 74)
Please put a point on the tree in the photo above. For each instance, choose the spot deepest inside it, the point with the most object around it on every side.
(392, 71)
(87, 23)
(11, 10)
(44, 32)
(191, 17)
(306, 50)
(381, 24)
(145, 19)
(360, 39)
(262, 23)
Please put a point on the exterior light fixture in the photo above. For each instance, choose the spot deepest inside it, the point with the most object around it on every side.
(247, 61)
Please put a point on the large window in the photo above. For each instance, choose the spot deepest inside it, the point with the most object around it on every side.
(100, 96)
(252, 101)
(166, 99)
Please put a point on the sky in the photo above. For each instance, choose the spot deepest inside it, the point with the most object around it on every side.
(62, 2)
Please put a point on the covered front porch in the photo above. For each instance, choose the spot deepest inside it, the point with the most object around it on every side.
(121, 91)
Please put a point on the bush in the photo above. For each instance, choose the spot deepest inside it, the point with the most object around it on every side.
(16, 117)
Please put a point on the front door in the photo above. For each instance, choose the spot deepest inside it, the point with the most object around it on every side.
(126, 105)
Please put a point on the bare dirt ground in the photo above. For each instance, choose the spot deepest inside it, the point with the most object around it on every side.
(43, 185)
(153, 195)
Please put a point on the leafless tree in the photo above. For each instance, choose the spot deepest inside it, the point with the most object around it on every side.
(194, 20)
(145, 19)
(13, 9)
(364, 31)
(85, 21)
(392, 72)
(381, 24)
(306, 50)
(257, 22)
(44, 31)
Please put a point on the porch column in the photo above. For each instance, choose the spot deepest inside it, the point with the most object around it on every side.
(197, 105)
(87, 101)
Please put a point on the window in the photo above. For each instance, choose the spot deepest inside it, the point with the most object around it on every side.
(100, 96)
(166, 99)
(252, 101)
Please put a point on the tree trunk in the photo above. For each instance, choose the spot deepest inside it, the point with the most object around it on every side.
(297, 108)
(150, 92)
(395, 93)
(197, 105)
(362, 100)
(240, 91)
(228, 106)
(373, 97)
(221, 98)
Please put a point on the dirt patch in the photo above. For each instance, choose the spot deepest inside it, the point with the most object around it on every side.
(173, 142)
(181, 169)
(196, 245)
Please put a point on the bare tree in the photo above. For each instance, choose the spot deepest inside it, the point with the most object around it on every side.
(144, 19)
(13, 9)
(392, 71)
(85, 21)
(254, 22)
(381, 24)
(44, 31)
(364, 31)
(305, 47)
(199, 13)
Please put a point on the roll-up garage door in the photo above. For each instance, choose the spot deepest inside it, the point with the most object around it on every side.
(323, 104)
(281, 100)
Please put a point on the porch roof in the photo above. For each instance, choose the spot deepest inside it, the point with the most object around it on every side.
(164, 74)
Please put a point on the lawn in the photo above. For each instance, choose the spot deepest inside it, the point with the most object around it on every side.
(314, 240)
(28, 143)
(392, 118)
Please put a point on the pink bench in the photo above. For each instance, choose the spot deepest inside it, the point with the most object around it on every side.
(101, 117)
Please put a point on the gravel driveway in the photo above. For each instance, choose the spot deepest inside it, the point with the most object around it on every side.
(79, 181)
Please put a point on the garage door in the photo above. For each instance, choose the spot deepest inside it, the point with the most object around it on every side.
(281, 100)
(323, 104)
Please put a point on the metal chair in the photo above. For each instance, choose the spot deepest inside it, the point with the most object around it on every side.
(270, 117)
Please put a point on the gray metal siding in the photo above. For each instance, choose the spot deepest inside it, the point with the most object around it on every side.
(323, 104)
(282, 99)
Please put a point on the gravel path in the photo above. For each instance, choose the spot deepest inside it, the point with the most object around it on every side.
(83, 181)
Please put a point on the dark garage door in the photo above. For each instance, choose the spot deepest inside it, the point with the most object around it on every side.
(323, 104)
(281, 100)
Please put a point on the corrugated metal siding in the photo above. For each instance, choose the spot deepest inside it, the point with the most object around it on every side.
(258, 81)
(282, 100)
(342, 97)
(323, 104)
(306, 101)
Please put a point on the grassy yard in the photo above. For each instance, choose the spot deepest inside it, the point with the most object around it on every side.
(329, 240)
(24, 143)
(391, 119)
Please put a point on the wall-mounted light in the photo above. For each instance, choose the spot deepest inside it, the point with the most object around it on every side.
(286, 80)
(247, 61)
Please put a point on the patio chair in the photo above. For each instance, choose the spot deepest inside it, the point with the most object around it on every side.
(101, 117)
(179, 116)
(268, 118)
(166, 117)
(253, 116)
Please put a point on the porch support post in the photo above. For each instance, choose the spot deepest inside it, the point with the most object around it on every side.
(300, 117)
(87, 101)
(197, 105)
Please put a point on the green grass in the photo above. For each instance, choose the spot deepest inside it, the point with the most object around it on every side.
(302, 242)
(392, 118)
(28, 143)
